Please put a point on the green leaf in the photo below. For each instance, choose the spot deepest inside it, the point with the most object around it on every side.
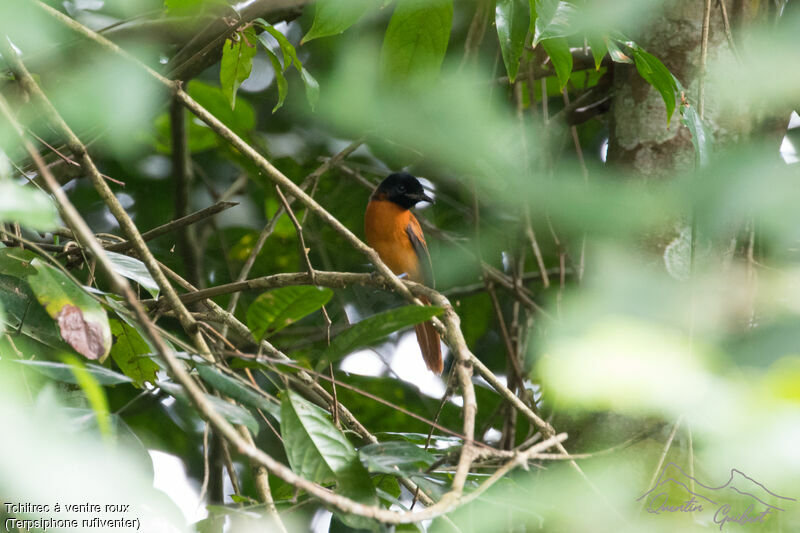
(553, 19)
(63, 372)
(81, 320)
(289, 58)
(129, 352)
(237, 63)
(617, 55)
(416, 40)
(512, 18)
(94, 393)
(657, 75)
(274, 310)
(395, 457)
(332, 17)
(599, 48)
(232, 388)
(312, 87)
(24, 314)
(371, 330)
(701, 139)
(318, 450)
(288, 51)
(17, 262)
(28, 206)
(233, 413)
(134, 269)
(280, 79)
(561, 57)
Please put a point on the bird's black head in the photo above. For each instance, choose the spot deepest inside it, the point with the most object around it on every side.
(403, 189)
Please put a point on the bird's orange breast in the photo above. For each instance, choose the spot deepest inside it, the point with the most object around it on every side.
(385, 225)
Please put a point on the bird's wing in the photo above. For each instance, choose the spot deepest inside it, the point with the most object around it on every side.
(414, 232)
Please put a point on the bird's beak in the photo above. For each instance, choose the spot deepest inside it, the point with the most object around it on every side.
(423, 198)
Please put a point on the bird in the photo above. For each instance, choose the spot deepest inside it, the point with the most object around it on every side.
(394, 232)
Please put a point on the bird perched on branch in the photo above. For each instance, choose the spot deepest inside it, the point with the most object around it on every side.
(394, 232)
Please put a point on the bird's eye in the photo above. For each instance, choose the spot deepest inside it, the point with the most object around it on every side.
(401, 188)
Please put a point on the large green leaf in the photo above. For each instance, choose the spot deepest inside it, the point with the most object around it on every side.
(553, 19)
(318, 450)
(371, 330)
(332, 17)
(129, 352)
(63, 372)
(512, 19)
(274, 310)
(416, 40)
(238, 391)
(134, 269)
(237, 62)
(82, 321)
(395, 457)
(28, 206)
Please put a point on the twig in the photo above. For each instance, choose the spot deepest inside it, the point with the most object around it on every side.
(727, 25)
(701, 88)
(66, 159)
(175, 224)
(515, 377)
(520, 459)
(663, 456)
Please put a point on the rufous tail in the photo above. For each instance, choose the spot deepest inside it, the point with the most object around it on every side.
(428, 339)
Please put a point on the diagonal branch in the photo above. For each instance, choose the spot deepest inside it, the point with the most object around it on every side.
(173, 225)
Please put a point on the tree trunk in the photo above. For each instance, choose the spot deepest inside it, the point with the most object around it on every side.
(640, 138)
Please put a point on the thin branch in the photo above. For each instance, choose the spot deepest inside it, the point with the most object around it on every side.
(173, 225)
(520, 459)
(701, 89)
(664, 452)
(727, 25)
